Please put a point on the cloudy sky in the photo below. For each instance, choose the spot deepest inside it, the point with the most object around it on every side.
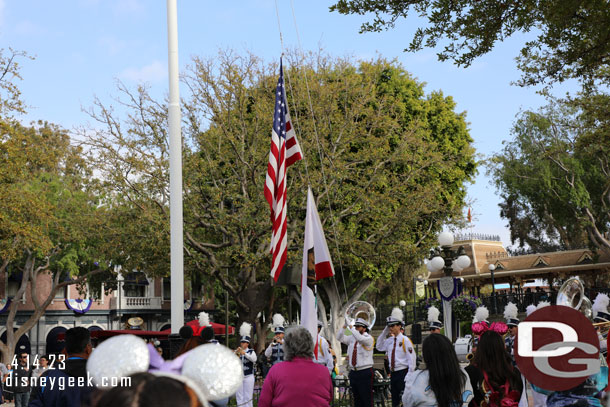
(81, 47)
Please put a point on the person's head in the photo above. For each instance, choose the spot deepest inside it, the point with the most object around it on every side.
(435, 330)
(512, 330)
(361, 326)
(78, 342)
(244, 344)
(445, 376)
(148, 390)
(207, 334)
(190, 344)
(23, 358)
(280, 335)
(491, 357)
(43, 361)
(298, 343)
(395, 329)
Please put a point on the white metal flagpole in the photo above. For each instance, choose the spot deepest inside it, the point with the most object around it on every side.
(175, 172)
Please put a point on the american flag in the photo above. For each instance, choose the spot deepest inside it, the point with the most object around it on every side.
(285, 151)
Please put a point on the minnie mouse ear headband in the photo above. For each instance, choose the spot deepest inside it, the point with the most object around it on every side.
(479, 328)
(213, 372)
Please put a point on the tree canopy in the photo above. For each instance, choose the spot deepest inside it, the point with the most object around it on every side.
(554, 176)
(395, 161)
(50, 218)
(571, 39)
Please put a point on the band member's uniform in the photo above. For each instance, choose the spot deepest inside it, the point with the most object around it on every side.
(322, 354)
(248, 359)
(275, 350)
(360, 362)
(401, 356)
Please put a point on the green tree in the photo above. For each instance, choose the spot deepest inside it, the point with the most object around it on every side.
(50, 222)
(394, 159)
(572, 39)
(554, 176)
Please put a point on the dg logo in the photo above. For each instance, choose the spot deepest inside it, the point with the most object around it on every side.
(557, 348)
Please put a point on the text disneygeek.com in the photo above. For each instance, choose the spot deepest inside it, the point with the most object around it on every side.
(63, 382)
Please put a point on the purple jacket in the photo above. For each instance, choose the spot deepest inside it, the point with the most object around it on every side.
(296, 383)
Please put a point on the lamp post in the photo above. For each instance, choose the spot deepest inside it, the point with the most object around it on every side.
(491, 268)
(415, 280)
(449, 260)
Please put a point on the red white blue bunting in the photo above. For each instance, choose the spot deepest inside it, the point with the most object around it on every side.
(79, 306)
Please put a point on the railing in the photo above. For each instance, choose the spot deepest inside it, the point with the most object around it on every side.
(127, 303)
(523, 299)
(476, 236)
(409, 311)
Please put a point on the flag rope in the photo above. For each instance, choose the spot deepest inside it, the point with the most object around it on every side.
(296, 121)
(315, 129)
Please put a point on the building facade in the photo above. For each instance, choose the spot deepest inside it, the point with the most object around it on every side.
(135, 296)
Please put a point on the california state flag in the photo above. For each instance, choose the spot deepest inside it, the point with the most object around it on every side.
(317, 265)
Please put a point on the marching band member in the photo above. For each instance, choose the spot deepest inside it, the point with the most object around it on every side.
(510, 314)
(481, 314)
(360, 361)
(275, 350)
(600, 314)
(480, 324)
(321, 353)
(433, 321)
(399, 350)
(248, 358)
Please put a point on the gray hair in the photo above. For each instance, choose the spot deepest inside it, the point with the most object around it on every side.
(298, 343)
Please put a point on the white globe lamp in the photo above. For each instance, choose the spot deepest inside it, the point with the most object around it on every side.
(445, 239)
(437, 263)
(463, 261)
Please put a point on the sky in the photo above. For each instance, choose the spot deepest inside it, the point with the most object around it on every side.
(82, 47)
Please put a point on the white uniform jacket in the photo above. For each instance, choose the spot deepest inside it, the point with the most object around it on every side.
(324, 356)
(364, 351)
(404, 355)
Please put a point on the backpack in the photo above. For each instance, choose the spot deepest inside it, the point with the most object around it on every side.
(499, 398)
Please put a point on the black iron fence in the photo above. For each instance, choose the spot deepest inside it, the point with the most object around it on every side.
(412, 313)
(496, 303)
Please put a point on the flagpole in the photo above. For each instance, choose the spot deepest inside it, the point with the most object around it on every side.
(175, 173)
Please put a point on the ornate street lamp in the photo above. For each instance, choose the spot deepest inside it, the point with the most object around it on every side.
(446, 258)
(449, 260)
